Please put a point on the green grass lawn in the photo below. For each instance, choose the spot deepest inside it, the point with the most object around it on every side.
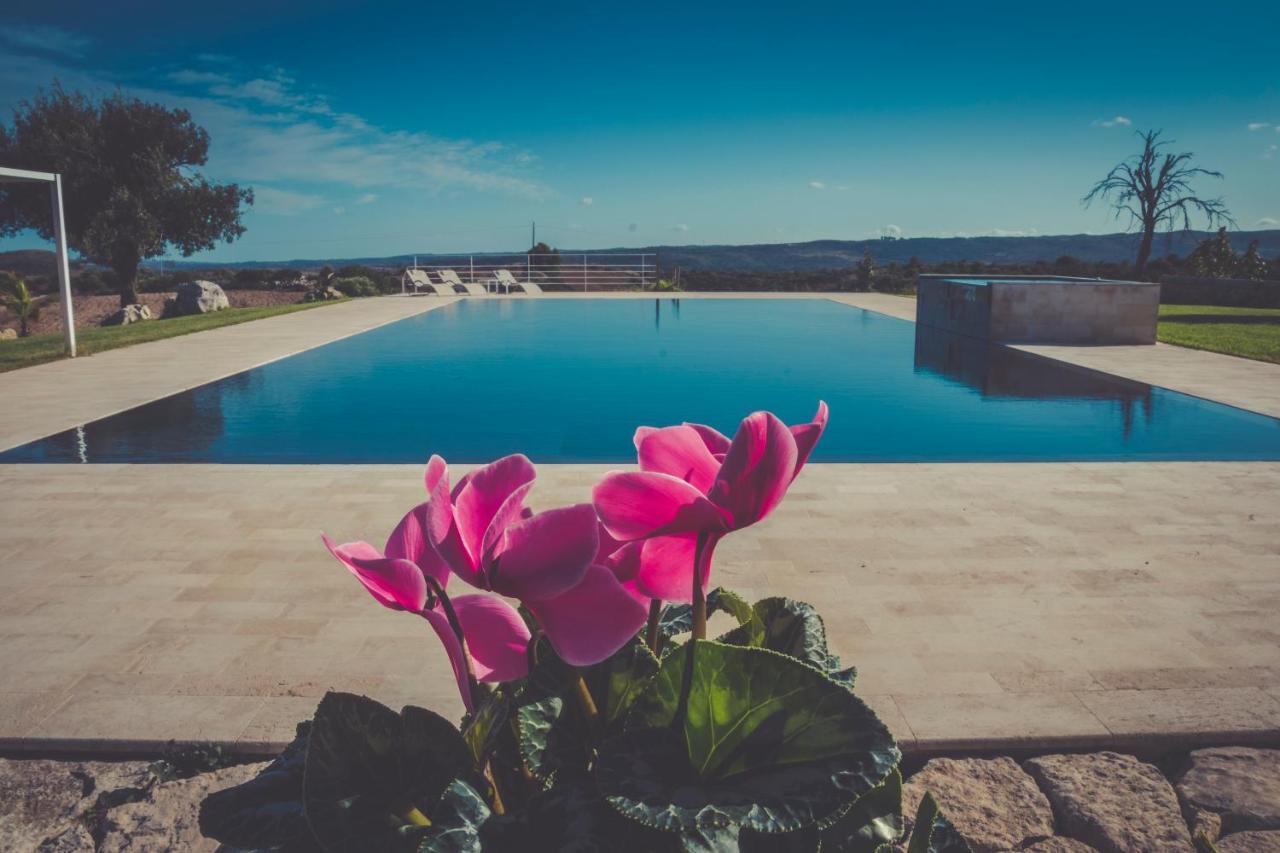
(1246, 332)
(38, 349)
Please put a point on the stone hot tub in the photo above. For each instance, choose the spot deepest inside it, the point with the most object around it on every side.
(1040, 309)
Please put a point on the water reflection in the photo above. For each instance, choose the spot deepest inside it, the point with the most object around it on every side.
(657, 311)
(1000, 372)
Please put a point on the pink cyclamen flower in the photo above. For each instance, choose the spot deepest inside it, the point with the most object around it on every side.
(483, 531)
(694, 483)
(397, 577)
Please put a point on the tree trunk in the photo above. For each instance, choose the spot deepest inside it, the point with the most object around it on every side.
(126, 272)
(1144, 249)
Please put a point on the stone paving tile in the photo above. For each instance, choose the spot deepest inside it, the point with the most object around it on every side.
(1219, 710)
(1011, 719)
(156, 720)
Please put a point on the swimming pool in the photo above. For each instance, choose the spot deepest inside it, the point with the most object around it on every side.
(569, 380)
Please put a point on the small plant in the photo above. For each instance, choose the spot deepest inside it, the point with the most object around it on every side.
(600, 716)
(355, 286)
(19, 301)
(666, 285)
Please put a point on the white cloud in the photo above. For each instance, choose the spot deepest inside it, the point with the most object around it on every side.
(1118, 121)
(283, 202)
(1270, 153)
(681, 227)
(367, 198)
(339, 210)
(264, 129)
(586, 201)
(1012, 232)
(1259, 125)
(817, 185)
(45, 39)
(891, 231)
(1267, 222)
(191, 77)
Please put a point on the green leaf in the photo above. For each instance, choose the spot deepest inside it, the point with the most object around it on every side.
(618, 681)
(456, 821)
(552, 734)
(267, 810)
(793, 628)
(368, 767)
(769, 745)
(874, 819)
(932, 832)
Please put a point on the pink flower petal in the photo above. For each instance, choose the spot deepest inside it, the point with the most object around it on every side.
(512, 508)
(497, 637)
(485, 491)
(807, 435)
(442, 531)
(409, 542)
(397, 584)
(608, 545)
(624, 562)
(440, 624)
(680, 452)
(591, 621)
(759, 466)
(666, 567)
(545, 555)
(437, 470)
(641, 434)
(635, 505)
(716, 441)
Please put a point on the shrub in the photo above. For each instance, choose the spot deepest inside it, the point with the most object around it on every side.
(356, 285)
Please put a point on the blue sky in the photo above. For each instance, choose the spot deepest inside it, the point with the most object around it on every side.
(419, 127)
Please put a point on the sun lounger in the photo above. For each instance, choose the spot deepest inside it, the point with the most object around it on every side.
(420, 278)
(507, 281)
(451, 277)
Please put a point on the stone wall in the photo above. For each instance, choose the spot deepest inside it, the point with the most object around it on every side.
(1090, 313)
(961, 308)
(1243, 293)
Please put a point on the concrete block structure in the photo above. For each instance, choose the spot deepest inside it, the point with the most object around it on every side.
(1040, 310)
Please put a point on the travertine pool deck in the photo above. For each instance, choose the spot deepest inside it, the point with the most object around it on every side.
(985, 605)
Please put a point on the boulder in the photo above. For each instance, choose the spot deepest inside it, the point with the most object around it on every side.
(992, 803)
(1115, 803)
(1255, 841)
(135, 313)
(169, 819)
(197, 297)
(1058, 844)
(43, 803)
(8, 334)
(1239, 784)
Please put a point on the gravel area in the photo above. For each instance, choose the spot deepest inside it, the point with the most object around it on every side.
(92, 310)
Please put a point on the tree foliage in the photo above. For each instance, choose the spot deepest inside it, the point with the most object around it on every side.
(130, 185)
(1153, 189)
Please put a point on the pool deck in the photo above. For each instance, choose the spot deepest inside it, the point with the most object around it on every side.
(987, 606)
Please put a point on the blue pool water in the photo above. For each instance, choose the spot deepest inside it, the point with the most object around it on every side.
(569, 380)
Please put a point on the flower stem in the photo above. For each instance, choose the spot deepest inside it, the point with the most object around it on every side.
(586, 701)
(699, 633)
(651, 636)
(472, 686)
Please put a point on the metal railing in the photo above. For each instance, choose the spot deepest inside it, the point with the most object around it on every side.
(583, 271)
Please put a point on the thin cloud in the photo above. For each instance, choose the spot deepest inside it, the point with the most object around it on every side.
(339, 210)
(46, 39)
(279, 202)
(1258, 125)
(817, 185)
(681, 227)
(265, 129)
(367, 198)
(1267, 222)
(1270, 153)
(586, 201)
(1118, 121)
(632, 227)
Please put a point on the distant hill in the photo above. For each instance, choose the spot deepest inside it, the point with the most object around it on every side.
(814, 255)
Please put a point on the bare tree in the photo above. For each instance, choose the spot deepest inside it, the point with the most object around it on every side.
(1154, 188)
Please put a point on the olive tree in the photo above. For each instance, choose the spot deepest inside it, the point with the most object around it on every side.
(129, 180)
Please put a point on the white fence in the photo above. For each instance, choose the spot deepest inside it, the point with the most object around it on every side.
(580, 272)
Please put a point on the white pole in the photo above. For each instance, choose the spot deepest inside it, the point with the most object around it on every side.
(64, 270)
(528, 267)
(584, 273)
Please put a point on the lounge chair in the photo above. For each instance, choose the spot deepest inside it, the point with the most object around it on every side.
(451, 277)
(420, 278)
(507, 281)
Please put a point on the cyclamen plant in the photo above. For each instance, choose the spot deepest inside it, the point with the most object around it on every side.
(592, 722)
